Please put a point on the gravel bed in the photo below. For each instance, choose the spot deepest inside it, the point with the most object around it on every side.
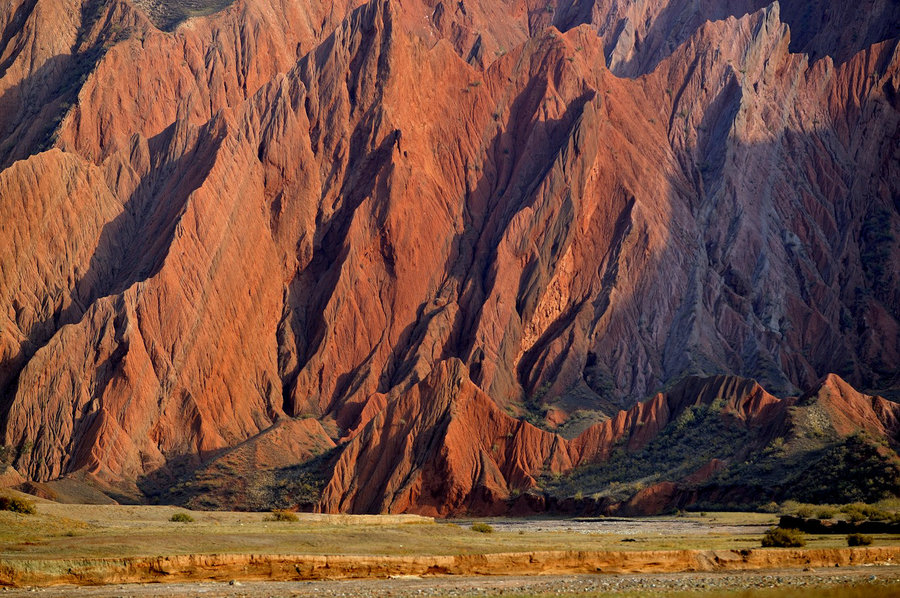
(884, 581)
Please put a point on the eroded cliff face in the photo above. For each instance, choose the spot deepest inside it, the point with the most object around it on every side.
(448, 214)
(444, 448)
(637, 36)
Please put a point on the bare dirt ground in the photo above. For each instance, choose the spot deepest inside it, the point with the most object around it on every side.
(843, 582)
(719, 524)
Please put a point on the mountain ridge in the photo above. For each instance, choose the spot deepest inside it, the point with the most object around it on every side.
(264, 222)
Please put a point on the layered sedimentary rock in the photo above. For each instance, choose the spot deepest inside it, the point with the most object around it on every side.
(444, 448)
(364, 213)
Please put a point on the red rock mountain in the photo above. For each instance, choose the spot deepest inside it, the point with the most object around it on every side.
(423, 222)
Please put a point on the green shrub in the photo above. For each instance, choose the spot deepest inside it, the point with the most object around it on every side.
(770, 507)
(826, 513)
(879, 515)
(17, 505)
(856, 469)
(859, 511)
(282, 515)
(780, 537)
(858, 540)
(181, 518)
(805, 511)
(698, 434)
(854, 513)
(483, 528)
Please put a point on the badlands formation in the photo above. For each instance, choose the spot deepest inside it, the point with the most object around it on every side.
(430, 256)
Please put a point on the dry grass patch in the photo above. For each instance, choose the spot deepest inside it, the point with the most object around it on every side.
(134, 531)
(16, 504)
(283, 515)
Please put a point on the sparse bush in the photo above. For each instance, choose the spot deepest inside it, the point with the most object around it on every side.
(282, 515)
(770, 507)
(876, 514)
(859, 511)
(855, 516)
(17, 505)
(826, 513)
(181, 518)
(858, 540)
(482, 528)
(854, 513)
(805, 511)
(779, 537)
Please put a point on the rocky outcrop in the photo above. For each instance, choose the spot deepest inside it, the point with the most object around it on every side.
(354, 211)
(637, 36)
(9, 477)
(444, 447)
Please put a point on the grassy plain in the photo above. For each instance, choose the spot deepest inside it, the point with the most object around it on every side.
(98, 531)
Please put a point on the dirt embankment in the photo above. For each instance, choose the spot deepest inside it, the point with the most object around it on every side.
(302, 567)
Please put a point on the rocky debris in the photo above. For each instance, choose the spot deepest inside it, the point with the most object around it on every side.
(884, 580)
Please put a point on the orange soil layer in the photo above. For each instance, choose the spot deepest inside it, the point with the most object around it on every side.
(48, 572)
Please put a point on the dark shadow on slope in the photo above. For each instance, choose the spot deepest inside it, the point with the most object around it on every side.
(14, 26)
(32, 110)
(323, 271)
(221, 485)
(368, 167)
(523, 158)
(131, 247)
(519, 158)
(819, 28)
